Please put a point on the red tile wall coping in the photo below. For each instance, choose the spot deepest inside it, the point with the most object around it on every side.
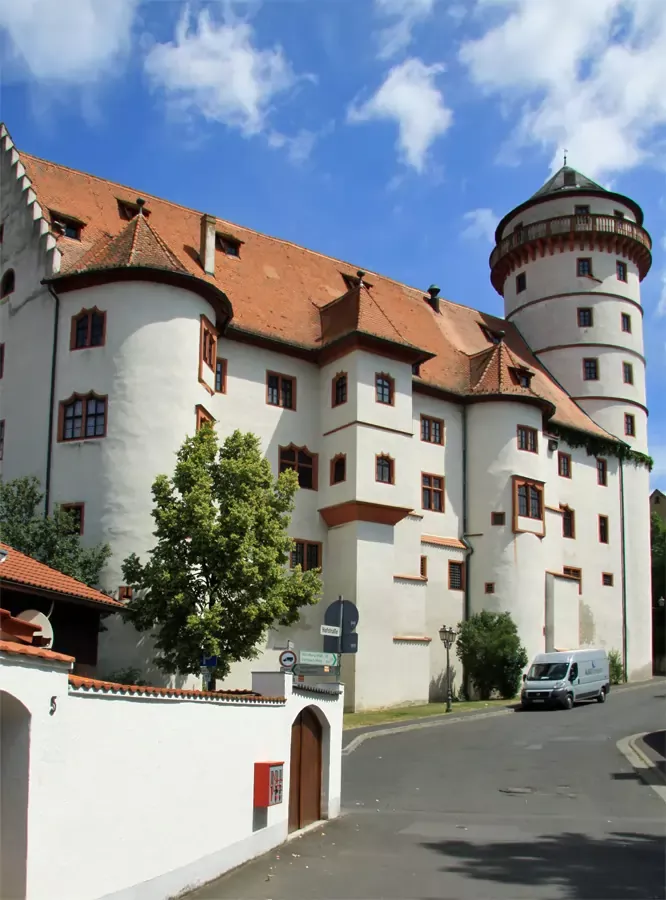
(111, 687)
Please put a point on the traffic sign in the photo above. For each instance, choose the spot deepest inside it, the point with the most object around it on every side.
(313, 658)
(311, 670)
(287, 659)
(330, 630)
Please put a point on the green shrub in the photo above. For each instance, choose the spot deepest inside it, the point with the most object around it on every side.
(616, 667)
(489, 648)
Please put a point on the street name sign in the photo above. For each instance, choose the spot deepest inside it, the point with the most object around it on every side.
(330, 630)
(314, 658)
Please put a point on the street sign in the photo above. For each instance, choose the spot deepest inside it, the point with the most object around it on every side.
(313, 658)
(287, 659)
(330, 630)
(209, 662)
(312, 670)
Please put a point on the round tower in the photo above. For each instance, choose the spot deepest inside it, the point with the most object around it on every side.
(569, 262)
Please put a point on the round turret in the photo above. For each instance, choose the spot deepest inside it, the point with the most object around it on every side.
(569, 262)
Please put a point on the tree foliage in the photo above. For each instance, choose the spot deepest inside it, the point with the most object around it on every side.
(658, 550)
(489, 648)
(51, 539)
(217, 576)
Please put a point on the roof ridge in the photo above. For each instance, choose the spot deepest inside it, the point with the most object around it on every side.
(135, 224)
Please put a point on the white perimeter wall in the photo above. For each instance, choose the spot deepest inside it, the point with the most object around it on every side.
(141, 797)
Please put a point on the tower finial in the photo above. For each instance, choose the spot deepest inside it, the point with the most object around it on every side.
(565, 155)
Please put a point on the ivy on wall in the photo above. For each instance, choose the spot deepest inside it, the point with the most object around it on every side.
(598, 446)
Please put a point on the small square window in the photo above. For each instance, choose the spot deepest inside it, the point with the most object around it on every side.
(591, 369)
(521, 282)
(280, 390)
(607, 579)
(628, 373)
(626, 323)
(564, 465)
(581, 210)
(585, 317)
(527, 439)
(621, 270)
(76, 514)
(489, 587)
(498, 518)
(584, 267)
(630, 424)
(432, 430)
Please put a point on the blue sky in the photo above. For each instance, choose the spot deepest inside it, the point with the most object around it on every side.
(390, 133)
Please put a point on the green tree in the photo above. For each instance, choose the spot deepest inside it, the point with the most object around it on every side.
(217, 576)
(658, 550)
(48, 539)
(489, 648)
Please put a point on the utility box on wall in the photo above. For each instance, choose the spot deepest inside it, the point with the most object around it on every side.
(268, 781)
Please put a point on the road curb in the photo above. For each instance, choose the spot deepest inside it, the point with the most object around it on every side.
(356, 742)
(645, 768)
(436, 721)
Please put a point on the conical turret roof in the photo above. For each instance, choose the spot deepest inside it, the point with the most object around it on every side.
(568, 179)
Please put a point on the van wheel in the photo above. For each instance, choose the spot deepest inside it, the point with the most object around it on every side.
(568, 701)
(602, 696)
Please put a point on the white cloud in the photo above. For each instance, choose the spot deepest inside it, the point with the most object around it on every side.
(588, 76)
(480, 224)
(409, 96)
(405, 15)
(215, 69)
(65, 42)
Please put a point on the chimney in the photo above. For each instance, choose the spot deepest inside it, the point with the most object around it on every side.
(433, 297)
(207, 244)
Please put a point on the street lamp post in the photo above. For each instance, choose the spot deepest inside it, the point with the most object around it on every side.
(447, 636)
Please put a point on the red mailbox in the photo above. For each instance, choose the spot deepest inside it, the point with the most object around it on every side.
(268, 781)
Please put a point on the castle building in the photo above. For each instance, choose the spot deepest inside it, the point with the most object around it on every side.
(449, 461)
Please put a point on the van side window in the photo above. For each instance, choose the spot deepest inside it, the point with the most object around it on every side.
(574, 672)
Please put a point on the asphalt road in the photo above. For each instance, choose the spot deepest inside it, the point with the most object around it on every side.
(526, 805)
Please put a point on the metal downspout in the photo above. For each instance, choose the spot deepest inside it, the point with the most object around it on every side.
(54, 355)
(624, 573)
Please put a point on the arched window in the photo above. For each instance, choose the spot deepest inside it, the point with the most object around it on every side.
(8, 283)
(384, 469)
(82, 417)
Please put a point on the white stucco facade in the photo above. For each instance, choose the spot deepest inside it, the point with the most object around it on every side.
(147, 369)
(141, 796)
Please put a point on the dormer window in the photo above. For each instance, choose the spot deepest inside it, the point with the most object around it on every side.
(493, 336)
(128, 210)
(522, 377)
(570, 178)
(227, 244)
(66, 226)
(352, 281)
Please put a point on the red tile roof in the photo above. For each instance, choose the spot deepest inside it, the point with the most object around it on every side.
(280, 291)
(17, 568)
(106, 687)
(27, 650)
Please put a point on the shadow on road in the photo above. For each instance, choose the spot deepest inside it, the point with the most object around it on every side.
(617, 867)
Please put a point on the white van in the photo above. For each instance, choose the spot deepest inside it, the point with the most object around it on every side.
(565, 677)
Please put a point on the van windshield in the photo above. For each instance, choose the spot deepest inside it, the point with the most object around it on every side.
(548, 671)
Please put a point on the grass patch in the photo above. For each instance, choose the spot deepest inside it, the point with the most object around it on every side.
(405, 713)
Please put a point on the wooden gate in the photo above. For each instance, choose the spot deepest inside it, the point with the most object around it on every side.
(305, 771)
